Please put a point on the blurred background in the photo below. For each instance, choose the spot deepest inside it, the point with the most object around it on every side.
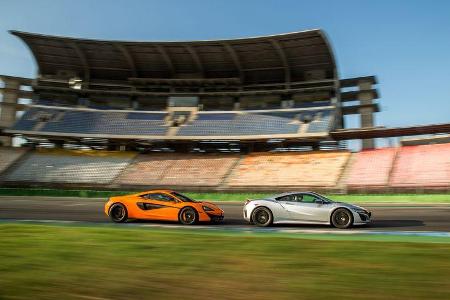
(224, 101)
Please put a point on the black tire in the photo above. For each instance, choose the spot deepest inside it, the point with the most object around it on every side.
(262, 216)
(118, 213)
(188, 216)
(342, 218)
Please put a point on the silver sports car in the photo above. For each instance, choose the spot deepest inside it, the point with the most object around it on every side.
(304, 208)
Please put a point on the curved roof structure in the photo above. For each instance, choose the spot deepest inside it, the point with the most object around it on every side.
(268, 59)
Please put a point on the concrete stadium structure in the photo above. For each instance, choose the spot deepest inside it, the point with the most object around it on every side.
(236, 114)
(294, 72)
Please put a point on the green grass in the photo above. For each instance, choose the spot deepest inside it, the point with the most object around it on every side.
(378, 198)
(74, 262)
(218, 196)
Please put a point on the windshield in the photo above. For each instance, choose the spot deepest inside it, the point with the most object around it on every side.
(183, 197)
(323, 197)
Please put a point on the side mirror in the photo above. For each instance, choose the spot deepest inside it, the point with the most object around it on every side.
(320, 201)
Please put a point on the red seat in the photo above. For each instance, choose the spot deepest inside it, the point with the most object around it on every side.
(422, 166)
(371, 168)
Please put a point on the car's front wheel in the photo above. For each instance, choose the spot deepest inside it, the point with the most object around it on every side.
(262, 216)
(118, 213)
(188, 216)
(342, 218)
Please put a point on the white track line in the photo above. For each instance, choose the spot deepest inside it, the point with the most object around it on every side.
(260, 230)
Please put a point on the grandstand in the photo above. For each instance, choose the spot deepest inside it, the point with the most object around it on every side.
(265, 113)
(68, 167)
(201, 170)
(423, 165)
(411, 168)
(371, 168)
(310, 169)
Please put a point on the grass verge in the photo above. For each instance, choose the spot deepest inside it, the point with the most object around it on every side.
(378, 198)
(73, 262)
(370, 198)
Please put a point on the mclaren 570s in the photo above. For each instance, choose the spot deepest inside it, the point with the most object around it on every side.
(162, 205)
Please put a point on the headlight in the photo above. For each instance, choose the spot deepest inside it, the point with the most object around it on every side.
(206, 208)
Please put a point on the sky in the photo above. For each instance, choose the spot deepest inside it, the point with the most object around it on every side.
(406, 44)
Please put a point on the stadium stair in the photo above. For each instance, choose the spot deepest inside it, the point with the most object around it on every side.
(10, 158)
(227, 176)
(343, 177)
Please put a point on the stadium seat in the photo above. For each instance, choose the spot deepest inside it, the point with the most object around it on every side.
(88, 121)
(61, 166)
(93, 122)
(172, 169)
(58, 102)
(422, 166)
(314, 169)
(215, 116)
(30, 119)
(241, 124)
(371, 168)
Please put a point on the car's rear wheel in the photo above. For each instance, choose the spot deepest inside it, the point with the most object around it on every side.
(342, 218)
(118, 213)
(262, 216)
(188, 216)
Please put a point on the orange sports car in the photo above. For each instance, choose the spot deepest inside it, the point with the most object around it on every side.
(162, 205)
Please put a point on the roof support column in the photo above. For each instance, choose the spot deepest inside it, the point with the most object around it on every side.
(284, 61)
(235, 58)
(129, 59)
(162, 51)
(196, 59)
(9, 107)
(365, 96)
(84, 62)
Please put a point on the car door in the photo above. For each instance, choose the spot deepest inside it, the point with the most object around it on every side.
(302, 207)
(159, 206)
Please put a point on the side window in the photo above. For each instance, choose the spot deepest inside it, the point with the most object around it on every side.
(159, 197)
(285, 198)
(291, 198)
(167, 198)
(309, 198)
(297, 197)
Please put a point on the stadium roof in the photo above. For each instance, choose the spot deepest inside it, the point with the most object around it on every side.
(383, 132)
(257, 60)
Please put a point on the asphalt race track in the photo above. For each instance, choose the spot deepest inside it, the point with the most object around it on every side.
(385, 217)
